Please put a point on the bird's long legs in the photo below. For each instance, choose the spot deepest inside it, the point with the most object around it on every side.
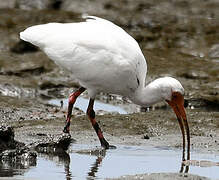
(72, 98)
(91, 115)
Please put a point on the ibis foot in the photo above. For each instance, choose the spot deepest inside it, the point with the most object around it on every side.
(112, 147)
(106, 145)
(66, 129)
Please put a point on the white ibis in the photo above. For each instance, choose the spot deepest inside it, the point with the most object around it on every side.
(104, 58)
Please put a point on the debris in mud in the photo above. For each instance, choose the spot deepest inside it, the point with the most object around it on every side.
(52, 144)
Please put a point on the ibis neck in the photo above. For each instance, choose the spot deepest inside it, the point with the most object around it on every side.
(147, 96)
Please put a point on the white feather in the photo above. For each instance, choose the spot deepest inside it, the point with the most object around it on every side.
(102, 57)
(95, 52)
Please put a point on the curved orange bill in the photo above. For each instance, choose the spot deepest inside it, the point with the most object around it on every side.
(177, 103)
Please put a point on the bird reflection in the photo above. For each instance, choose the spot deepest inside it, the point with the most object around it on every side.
(60, 157)
(65, 158)
(100, 154)
(95, 166)
(183, 165)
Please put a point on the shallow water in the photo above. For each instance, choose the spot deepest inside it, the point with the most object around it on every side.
(125, 160)
(82, 104)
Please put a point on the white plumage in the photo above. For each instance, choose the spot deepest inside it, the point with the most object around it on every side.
(95, 52)
(100, 55)
(103, 57)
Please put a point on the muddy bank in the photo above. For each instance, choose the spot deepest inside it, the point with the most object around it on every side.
(13, 154)
(153, 128)
(160, 128)
(16, 156)
(35, 121)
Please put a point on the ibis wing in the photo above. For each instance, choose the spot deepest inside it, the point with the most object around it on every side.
(91, 49)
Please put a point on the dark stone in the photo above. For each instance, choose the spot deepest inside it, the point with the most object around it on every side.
(6, 133)
(14, 154)
(23, 47)
(208, 104)
(11, 160)
(50, 85)
(146, 137)
(52, 144)
(186, 103)
(18, 155)
(41, 134)
(7, 139)
(194, 75)
(55, 4)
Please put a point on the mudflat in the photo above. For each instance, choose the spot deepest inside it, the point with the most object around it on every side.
(178, 39)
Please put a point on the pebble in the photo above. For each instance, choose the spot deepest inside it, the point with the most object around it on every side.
(146, 137)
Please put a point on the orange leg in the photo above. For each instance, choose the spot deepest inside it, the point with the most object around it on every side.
(72, 98)
(91, 115)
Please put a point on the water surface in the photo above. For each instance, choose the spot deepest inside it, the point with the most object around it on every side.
(82, 104)
(125, 160)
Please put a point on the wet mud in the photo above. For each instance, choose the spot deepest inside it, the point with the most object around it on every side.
(16, 157)
(178, 38)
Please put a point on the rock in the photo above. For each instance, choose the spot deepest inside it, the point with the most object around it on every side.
(22, 156)
(39, 4)
(194, 75)
(6, 133)
(49, 85)
(29, 4)
(87, 6)
(208, 104)
(52, 144)
(214, 51)
(7, 139)
(23, 47)
(146, 137)
(55, 4)
(7, 4)
(14, 153)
